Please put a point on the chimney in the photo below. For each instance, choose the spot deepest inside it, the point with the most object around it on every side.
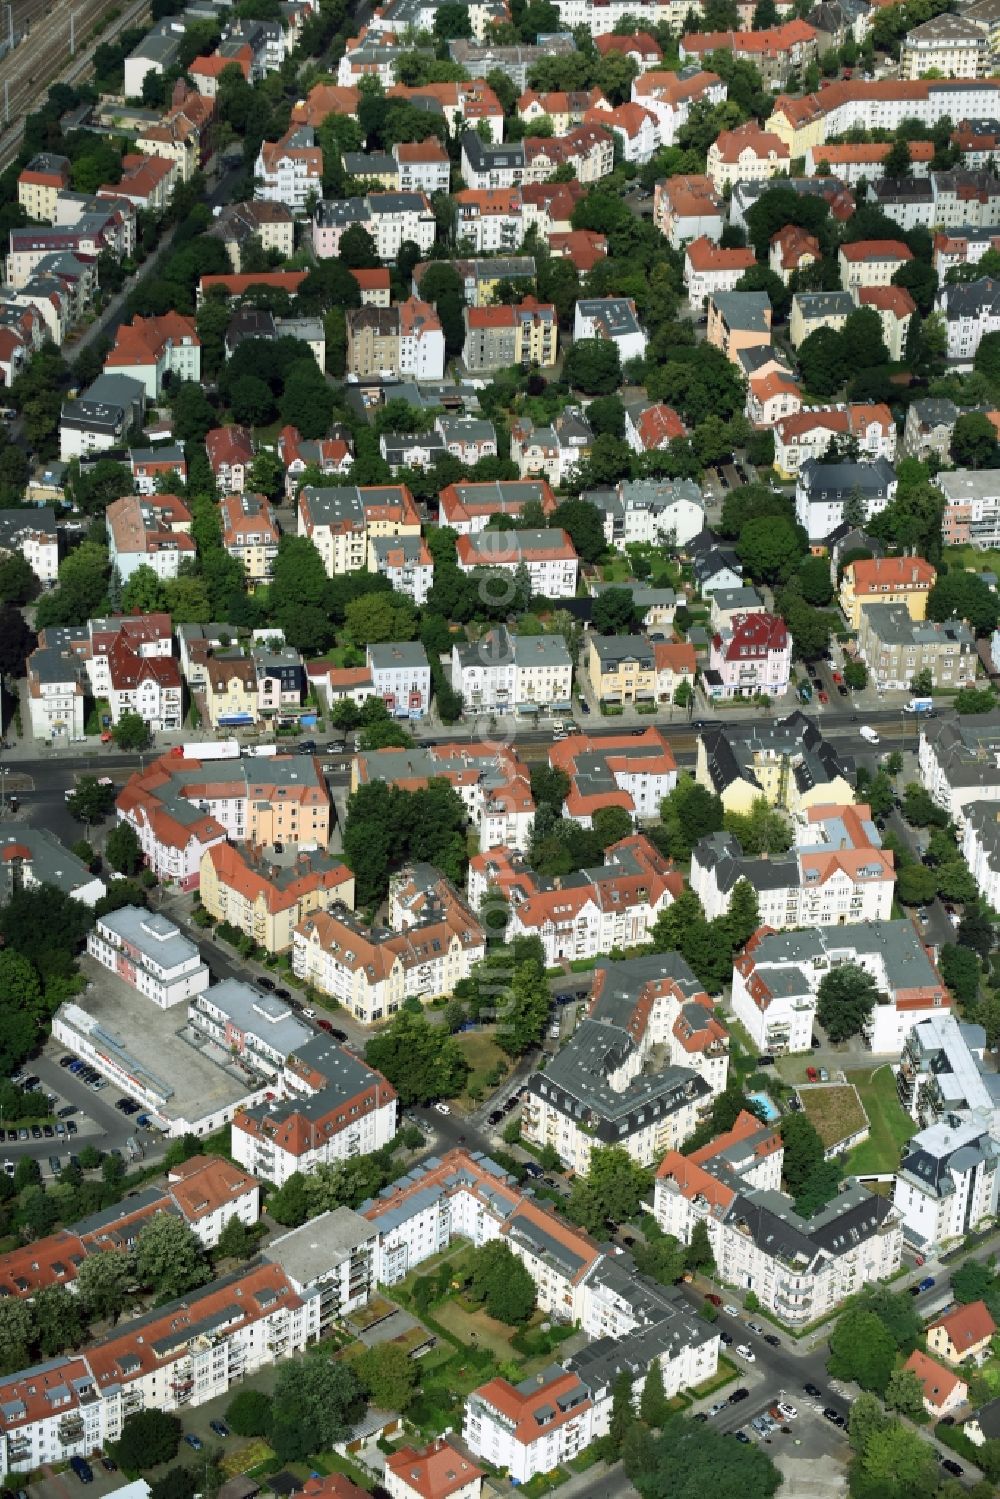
(180, 92)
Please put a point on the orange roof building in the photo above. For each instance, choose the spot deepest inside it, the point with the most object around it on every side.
(943, 1390)
(965, 1333)
(653, 428)
(237, 286)
(147, 349)
(266, 899)
(887, 580)
(437, 1471)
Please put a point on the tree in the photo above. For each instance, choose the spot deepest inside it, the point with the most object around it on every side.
(964, 595)
(249, 1413)
(662, 1257)
(975, 931)
(170, 1257)
(584, 525)
(770, 548)
(179, 1482)
(611, 1192)
(131, 732)
(90, 802)
(972, 1281)
(904, 1393)
(974, 441)
(821, 358)
(523, 1010)
(974, 700)
(814, 580)
(762, 278)
(688, 1461)
(803, 1151)
(916, 885)
(57, 1319)
(687, 815)
(896, 1461)
(421, 1061)
(313, 1406)
(17, 581)
(389, 1376)
(501, 1282)
(235, 1242)
(867, 1416)
(613, 612)
(653, 1405)
(855, 675)
(611, 824)
(103, 1281)
(699, 1255)
(743, 916)
(844, 1001)
(593, 365)
(861, 1349)
(378, 617)
(17, 641)
(123, 849)
(148, 1438)
(17, 1334)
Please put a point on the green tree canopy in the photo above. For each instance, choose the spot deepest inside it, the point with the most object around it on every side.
(501, 1281)
(844, 1001)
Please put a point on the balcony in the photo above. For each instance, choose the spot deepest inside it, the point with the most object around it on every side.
(70, 1430)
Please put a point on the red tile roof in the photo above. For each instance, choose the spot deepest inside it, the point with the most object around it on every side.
(434, 1471)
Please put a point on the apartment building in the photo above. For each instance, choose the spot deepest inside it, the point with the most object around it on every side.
(148, 349)
(776, 978)
(554, 452)
(406, 561)
(491, 219)
(437, 1471)
(971, 310)
(401, 677)
(808, 432)
(149, 952)
(250, 534)
(957, 762)
(493, 784)
(39, 184)
(33, 535)
(739, 321)
(341, 522)
(651, 511)
(953, 46)
(946, 1182)
(871, 262)
(147, 685)
(669, 96)
(390, 341)
(549, 558)
(290, 170)
(467, 508)
(776, 51)
(823, 490)
(230, 691)
(389, 217)
(709, 269)
(371, 972)
(531, 1427)
(508, 673)
(243, 886)
(837, 873)
(896, 648)
(904, 581)
(746, 154)
(330, 1107)
(627, 670)
(153, 532)
(686, 207)
(230, 455)
(852, 162)
(633, 771)
(179, 807)
(787, 762)
(525, 334)
(883, 104)
(799, 1269)
(971, 508)
(651, 429)
(595, 1091)
(752, 656)
(613, 318)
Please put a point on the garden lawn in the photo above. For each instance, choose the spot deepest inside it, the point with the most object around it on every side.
(970, 557)
(890, 1125)
(473, 1327)
(483, 1055)
(835, 1111)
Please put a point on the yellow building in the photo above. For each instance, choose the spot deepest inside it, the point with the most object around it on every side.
(250, 534)
(886, 580)
(536, 333)
(264, 901)
(787, 763)
(230, 691)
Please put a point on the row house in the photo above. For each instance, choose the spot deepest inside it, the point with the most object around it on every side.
(148, 686)
(290, 170)
(150, 954)
(799, 1269)
(330, 1107)
(509, 673)
(388, 342)
(183, 134)
(595, 1091)
(563, 109)
(468, 507)
(493, 784)
(964, 246)
(957, 764)
(637, 129)
(777, 976)
(776, 51)
(750, 657)
(837, 873)
(390, 218)
(179, 807)
(812, 119)
(953, 46)
(240, 225)
(548, 557)
(372, 972)
(551, 453)
(467, 102)
(489, 219)
(250, 534)
(407, 562)
(342, 521)
(39, 183)
(981, 846)
(149, 532)
(808, 434)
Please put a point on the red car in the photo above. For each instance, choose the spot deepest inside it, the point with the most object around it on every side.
(824, 697)
(324, 1025)
(812, 1074)
(715, 1300)
(838, 677)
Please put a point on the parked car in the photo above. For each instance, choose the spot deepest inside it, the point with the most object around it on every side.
(109, 1465)
(814, 1391)
(68, 1111)
(82, 1469)
(442, 1108)
(730, 1310)
(812, 1074)
(713, 1410)
(741, 1436)
(951, 1466)
(833, 1416)
(786, 1411)
(715, 1300)
(220, 1428)
(193, 1441)
(726, 1338)
(746, 1352)
(738, 1395)
(770, 1338)
(265, 983)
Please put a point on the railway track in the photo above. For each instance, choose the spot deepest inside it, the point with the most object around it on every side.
(56, 48)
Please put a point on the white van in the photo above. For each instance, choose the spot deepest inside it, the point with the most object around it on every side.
(868, 734)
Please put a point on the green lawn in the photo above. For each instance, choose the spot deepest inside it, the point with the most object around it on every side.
(483, 1055)
(971, 557)
(891, 1126)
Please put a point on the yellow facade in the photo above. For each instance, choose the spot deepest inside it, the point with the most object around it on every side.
(852, 602)
(252, 912)
(626, 681)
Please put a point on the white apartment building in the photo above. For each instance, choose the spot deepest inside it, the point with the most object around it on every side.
(509, 673)
(946, 1185)
(401, 677)
(329, 1107)
(290, 171)
(799, 1269)
(776, 978)
(184, 1354)
(55, 695)
(614, 318)
(549, 557)
(153, 532)
(971, 507)
(594, 1092)
(34, 535)
(651, 511)
(981, 848)
(959, 764)
(149, 952)
(209, 1192)
(252, 1024)
(395, 217)
(437, 1471)
(951, 45)
(633, 771)
(837, 874)
(531, 1427)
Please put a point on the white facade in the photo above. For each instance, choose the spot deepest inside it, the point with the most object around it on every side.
(148, 952)
(548, 556)
(614, 318)
(953, 1198)
(503, 672)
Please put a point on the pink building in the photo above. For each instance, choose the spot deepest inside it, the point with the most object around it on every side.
(751, 655)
